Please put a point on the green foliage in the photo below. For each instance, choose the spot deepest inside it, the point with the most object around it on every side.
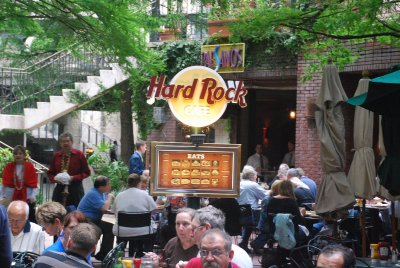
(224, 9)
(179, 55)
(114, 28)
(321, 29)
(5, 157)
(117, 171)
(39, 198)
(13, 132)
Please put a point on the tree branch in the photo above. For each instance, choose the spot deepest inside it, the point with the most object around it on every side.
(342, 37)
(388, 26)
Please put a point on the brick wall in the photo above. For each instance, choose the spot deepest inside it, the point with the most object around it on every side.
(170, 131)
(307, 142)
(373, 57)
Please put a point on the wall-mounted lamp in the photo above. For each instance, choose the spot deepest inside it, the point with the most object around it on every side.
(292, 114)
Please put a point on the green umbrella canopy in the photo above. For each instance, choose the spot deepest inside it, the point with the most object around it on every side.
(383, 96)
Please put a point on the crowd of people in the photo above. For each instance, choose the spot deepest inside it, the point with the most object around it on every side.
(189, 237)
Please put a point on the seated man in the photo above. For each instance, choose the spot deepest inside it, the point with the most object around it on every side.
(25, 235)
(309, 182)
(134, 200)
(93, 205)
(81, 243)
(336, 256)
(215, 251)
(208, 218)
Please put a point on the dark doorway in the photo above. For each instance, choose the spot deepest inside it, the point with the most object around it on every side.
(270, 123)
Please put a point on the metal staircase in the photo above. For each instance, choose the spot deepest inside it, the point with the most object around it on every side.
(34, 96)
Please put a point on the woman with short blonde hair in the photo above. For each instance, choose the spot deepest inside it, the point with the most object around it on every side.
(50, 216)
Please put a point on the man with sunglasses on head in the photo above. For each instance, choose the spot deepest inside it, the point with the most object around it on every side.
(215, 251)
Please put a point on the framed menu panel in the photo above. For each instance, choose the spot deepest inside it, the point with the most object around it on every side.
(209, 170)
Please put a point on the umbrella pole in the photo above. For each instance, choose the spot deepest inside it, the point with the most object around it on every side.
(394, 226)
(363, 234)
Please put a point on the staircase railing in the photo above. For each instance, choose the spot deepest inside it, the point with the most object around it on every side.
(91, 136)
(22, 88)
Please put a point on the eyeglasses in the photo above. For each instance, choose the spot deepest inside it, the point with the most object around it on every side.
(12, 221)
(215, 252)
(194, 228)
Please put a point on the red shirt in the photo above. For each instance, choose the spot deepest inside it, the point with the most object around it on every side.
(196, 263)
(78, 167)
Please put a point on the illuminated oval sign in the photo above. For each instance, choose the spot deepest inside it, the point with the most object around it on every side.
(197, 95)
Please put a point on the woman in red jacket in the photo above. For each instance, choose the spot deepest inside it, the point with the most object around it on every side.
(20, 180)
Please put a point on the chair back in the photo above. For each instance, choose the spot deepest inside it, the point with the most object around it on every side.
(134, 219)
(304, 256)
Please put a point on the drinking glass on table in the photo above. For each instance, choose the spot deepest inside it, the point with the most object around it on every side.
(137, 262)
(152, 257)
(147, 262)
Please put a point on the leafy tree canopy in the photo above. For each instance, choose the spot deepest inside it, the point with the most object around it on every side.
(115, 28)
(325, 28)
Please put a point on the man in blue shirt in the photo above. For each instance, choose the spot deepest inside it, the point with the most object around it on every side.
(136, 161)
(309, 182)
(5, 239)
(93, 205)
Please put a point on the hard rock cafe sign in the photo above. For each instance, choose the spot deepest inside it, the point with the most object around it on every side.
(197, 95)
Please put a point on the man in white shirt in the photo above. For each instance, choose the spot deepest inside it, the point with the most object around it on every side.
(289, 157)
(25, 235)
(209, 218)
(133, 199)
(259, 162)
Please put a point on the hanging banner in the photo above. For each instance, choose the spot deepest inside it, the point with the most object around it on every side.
(224, 58)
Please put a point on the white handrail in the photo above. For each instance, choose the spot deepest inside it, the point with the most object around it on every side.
(37, 63)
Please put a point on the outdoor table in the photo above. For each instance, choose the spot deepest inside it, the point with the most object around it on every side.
(377, 263)
(310, 218)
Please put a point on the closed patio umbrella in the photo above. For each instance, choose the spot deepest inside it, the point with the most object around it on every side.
(383, 97)
(335, 193)
(362, 171)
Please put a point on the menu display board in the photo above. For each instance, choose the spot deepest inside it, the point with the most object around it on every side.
(184, 169)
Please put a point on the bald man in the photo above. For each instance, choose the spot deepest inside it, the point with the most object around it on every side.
(336, 256)
(25, 235)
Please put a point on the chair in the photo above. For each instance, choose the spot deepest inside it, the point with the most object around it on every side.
(112, 256)
(304, 256)
(136, 220)
(274, 254)
(24, 259)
